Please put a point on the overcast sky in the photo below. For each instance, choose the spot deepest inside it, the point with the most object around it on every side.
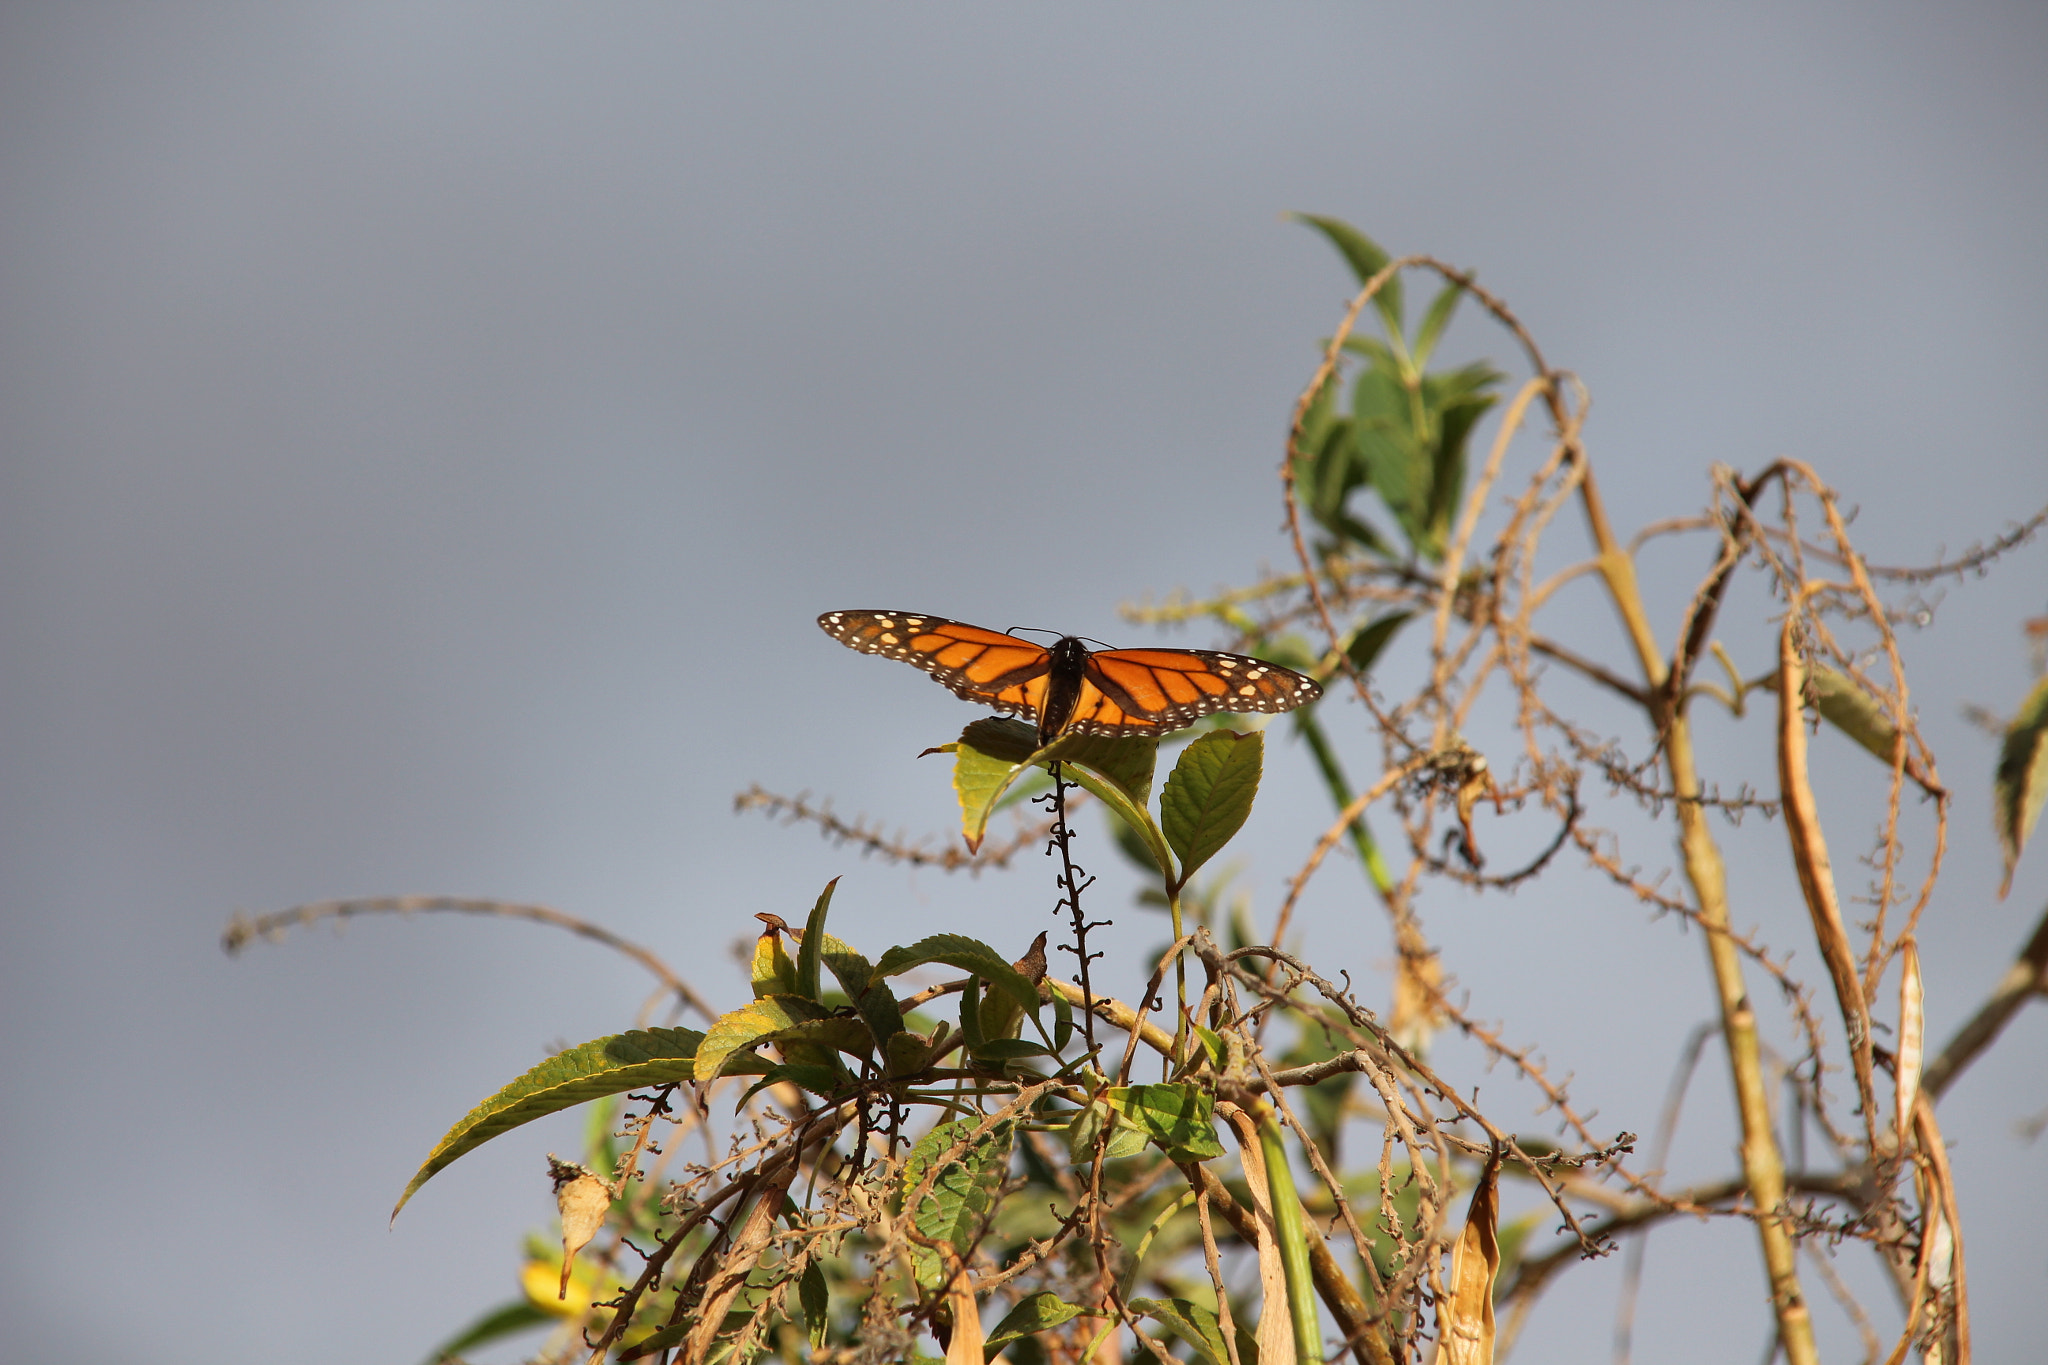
(428, 432)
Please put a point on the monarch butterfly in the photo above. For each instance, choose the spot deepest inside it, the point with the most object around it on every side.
(1068, 688)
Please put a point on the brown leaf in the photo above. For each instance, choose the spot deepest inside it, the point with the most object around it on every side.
(1816, 870)
(1464, 1320)
(965, 1344)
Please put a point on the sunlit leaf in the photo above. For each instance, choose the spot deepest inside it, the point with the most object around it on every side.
(1209, 794)
(1844, 704)
(807, 984)
(740, 1029)
(881, 1013)
(601, 1067)
(959, 1203)
(774, 970)
(1180, 1118)
(968, 954)
(1465, 1317)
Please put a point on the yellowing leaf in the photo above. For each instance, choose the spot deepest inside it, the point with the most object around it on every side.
(738, 1030)
(538, 1278)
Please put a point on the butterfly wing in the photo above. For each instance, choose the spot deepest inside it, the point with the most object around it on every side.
(999, 671)
(1156, 691)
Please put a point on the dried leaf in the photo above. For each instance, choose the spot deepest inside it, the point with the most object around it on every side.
(1276, 1323)
(1464, 1321)
(1816, 870)
(965, 1345)
(582, 1199)
(1912, 1036)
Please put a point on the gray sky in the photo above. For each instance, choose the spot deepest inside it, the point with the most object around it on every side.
(429, 432)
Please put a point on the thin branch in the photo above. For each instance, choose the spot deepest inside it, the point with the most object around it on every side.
(242, 931)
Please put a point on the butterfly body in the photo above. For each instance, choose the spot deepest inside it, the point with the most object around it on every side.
(1067, 688)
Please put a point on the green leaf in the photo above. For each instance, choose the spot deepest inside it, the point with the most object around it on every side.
(1133, 846)
(1209, 794)
(1399, 461)
(1331, 469)
(907, 1054)
(839, 1032)
(970, 1014)
(1062, 1022)
(1009, 1050)
(815, 1298)
(1435, 320)
(1372, 639)
(985, 763)
(1366, 259)
(968, 954)
(884, 1017)
(853, 971)
(1198, 1327)
(1844, 704)
(1454, 404)
(750, 1024)
(807, 984)
(823, 1081)
(601, 1067)
(1127, 1137)
(506, 1320)
(1126, 762)
(1034, 1313)
(2020, 786)
(1321, 412)
(659, 1340)
(991, 755)
(959, 1205)
(1180, 1117)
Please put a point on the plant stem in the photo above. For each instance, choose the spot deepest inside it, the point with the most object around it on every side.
(1293, 1239)
(1763, 1165)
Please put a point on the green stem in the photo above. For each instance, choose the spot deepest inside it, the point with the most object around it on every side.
(1293, 1236)
(1311, 730)
(1180, 980)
